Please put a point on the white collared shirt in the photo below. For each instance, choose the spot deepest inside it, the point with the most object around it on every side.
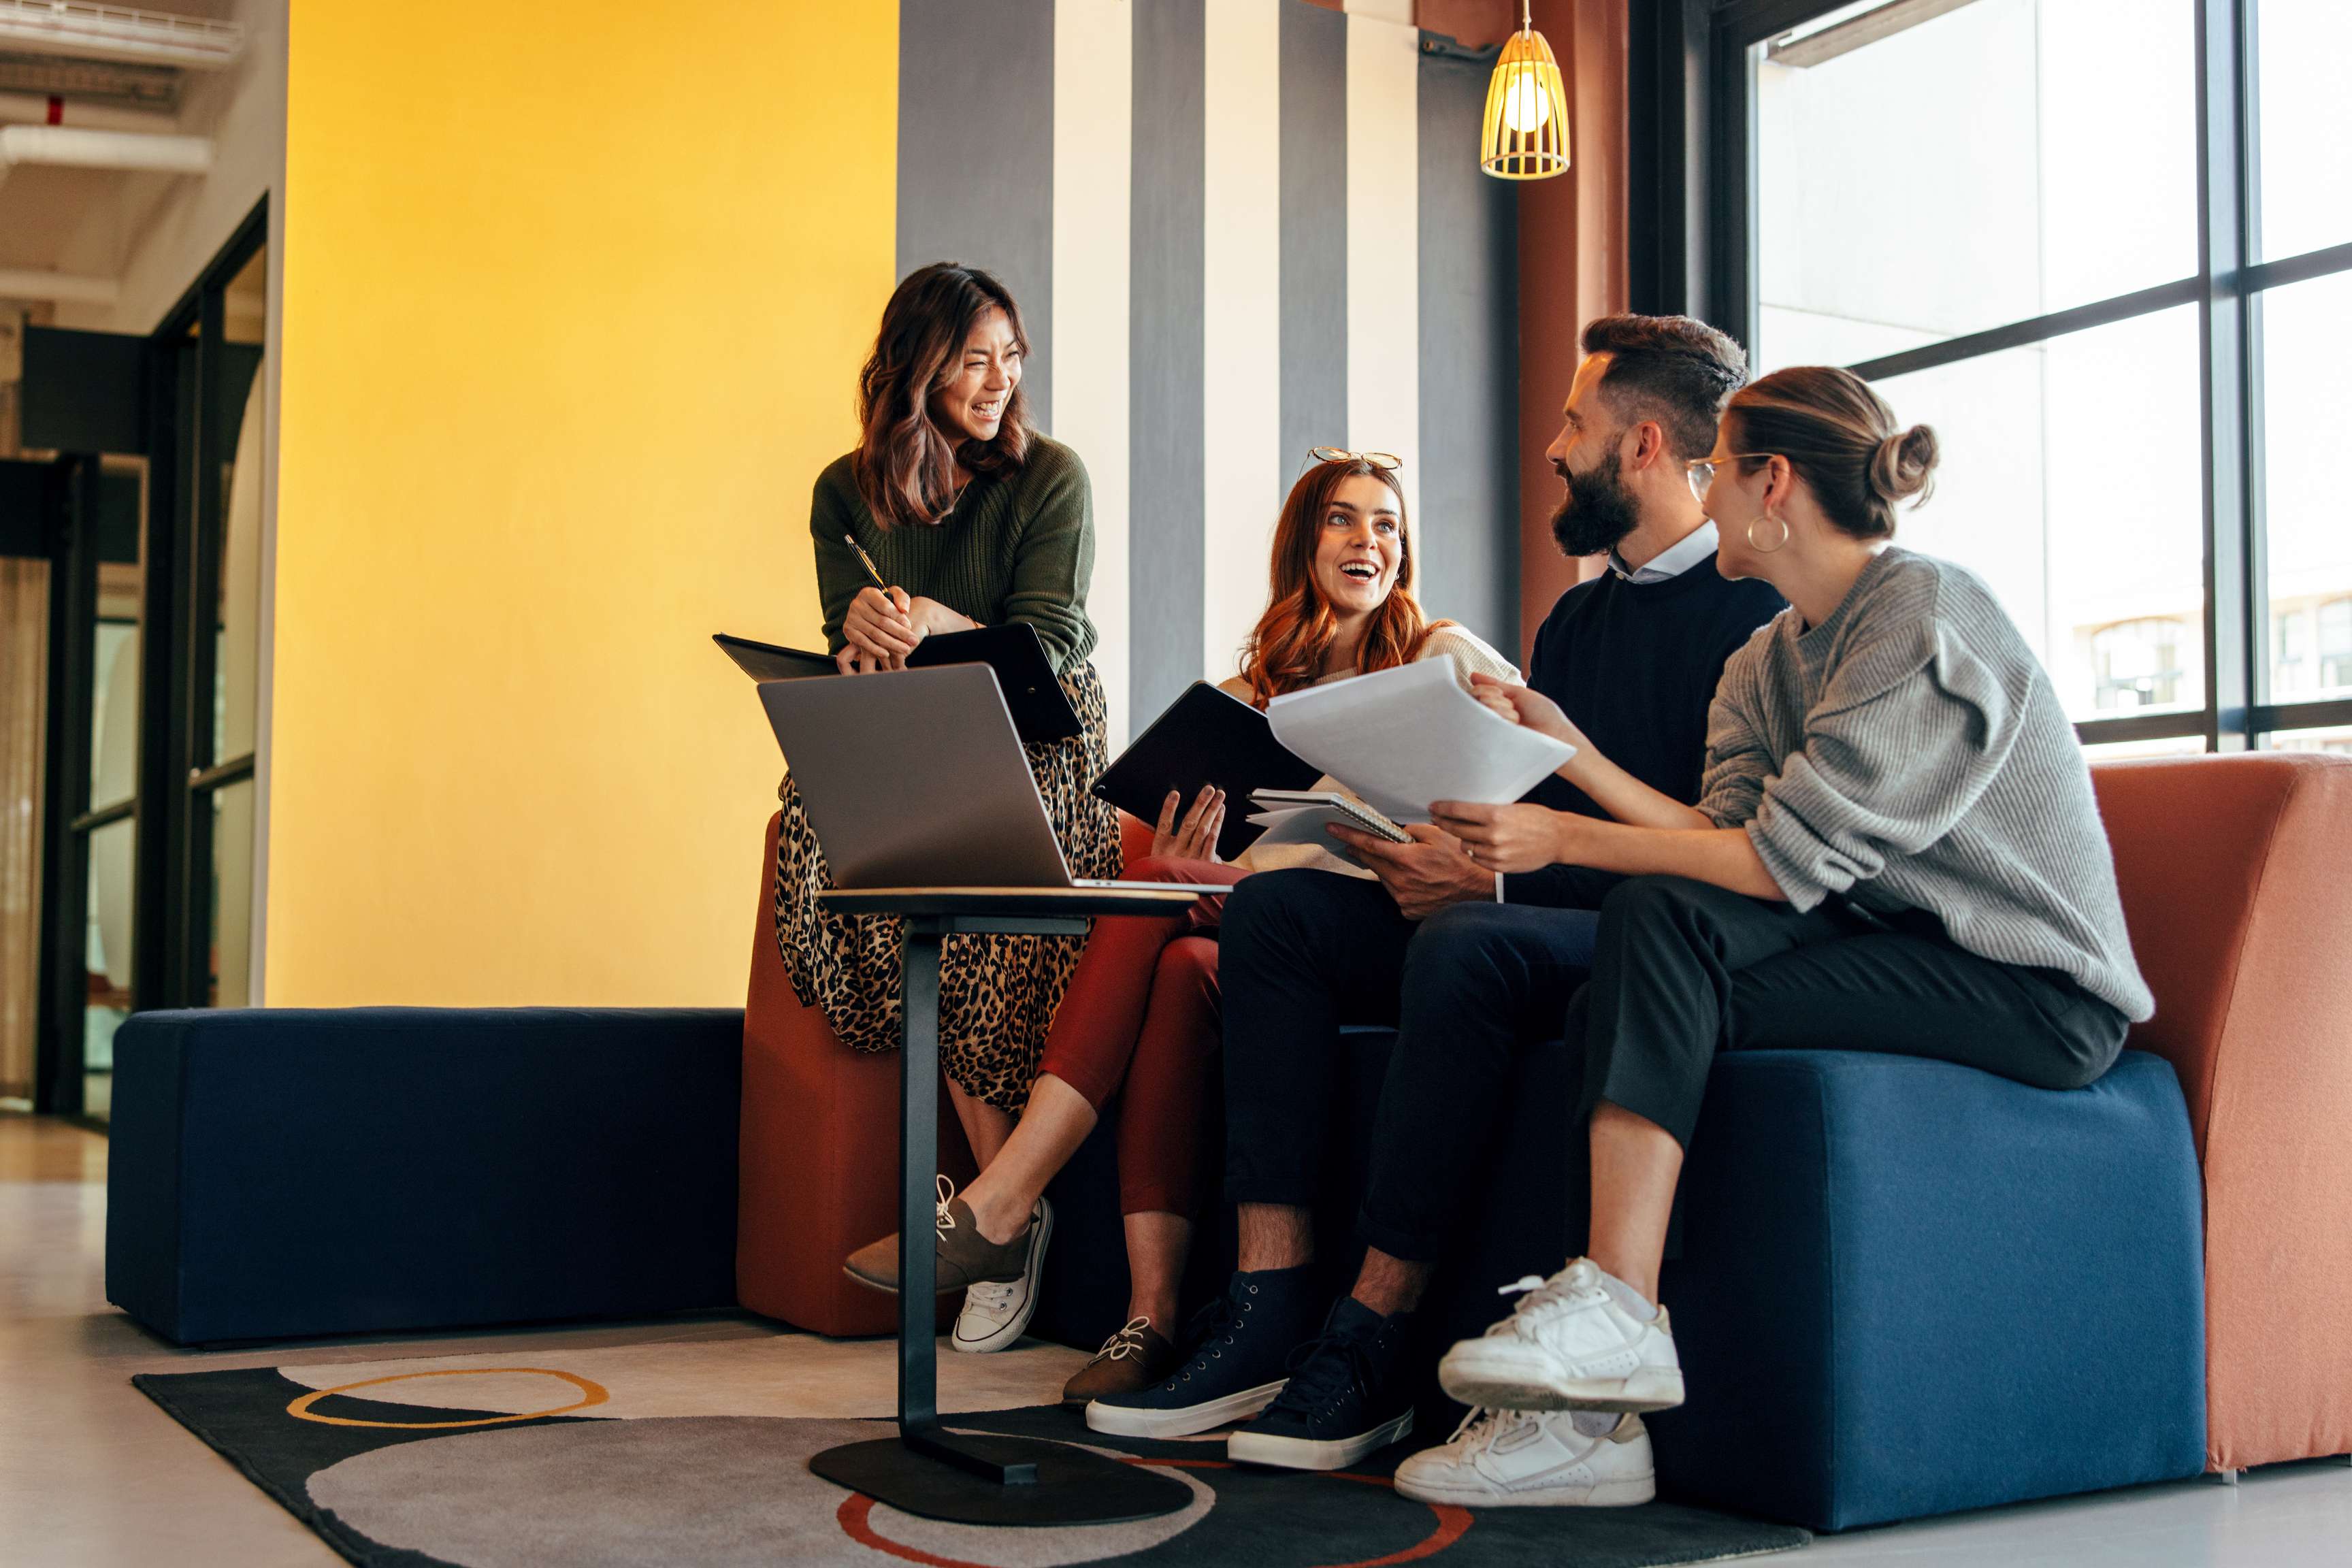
(1672, 561)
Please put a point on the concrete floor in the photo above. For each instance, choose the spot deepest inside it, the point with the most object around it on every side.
(92, 1475)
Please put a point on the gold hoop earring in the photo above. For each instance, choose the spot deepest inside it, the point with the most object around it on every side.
(1768, 549)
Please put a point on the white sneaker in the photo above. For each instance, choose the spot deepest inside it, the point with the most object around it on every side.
(993, 1315)
(1518, 1459)
(1568, 1345)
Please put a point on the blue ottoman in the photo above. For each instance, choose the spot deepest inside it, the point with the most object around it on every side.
(1899, 1288)
(278, 1172)
(1907, 1288)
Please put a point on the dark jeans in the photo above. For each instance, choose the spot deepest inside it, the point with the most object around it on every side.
(1303, 954)
(1679, 969)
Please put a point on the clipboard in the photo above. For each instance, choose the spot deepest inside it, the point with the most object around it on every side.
(1204, 736)
(1040, 709)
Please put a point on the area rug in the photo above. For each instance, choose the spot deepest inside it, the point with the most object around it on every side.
(616, 1458)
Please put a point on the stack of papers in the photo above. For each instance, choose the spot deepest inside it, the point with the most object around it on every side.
(1406, 737)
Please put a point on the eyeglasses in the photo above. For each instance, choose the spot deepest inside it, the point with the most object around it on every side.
(1386, 462)
(1700, 471)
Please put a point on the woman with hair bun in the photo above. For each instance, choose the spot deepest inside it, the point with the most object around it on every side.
(1895, 849)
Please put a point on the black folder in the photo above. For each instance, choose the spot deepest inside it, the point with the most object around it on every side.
(1040, 709)
(1204, 736)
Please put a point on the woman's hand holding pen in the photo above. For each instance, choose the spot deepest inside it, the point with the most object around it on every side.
(879, 630)
(1195, 838)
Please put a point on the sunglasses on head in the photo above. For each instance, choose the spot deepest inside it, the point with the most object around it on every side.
(1386, 462)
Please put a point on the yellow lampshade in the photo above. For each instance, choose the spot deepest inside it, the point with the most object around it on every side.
(1525, 131)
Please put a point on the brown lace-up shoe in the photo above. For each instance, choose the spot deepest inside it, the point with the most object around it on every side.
(965, 1256)
(1134, 1358)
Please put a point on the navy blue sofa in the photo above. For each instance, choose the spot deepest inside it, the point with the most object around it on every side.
(1903, 1289)
(283, 1172)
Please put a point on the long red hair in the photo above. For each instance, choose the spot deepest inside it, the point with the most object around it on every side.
(1285, 651)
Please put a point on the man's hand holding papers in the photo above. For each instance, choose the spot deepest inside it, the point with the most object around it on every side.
(1407, 737)
(1424, 876)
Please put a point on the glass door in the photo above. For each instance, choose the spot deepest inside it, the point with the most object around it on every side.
(107, 830)
(148, 876)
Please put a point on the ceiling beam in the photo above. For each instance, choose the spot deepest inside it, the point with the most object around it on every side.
(64, 289)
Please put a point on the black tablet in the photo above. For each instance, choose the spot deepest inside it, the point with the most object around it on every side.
(1204, 736)
(1040, 709)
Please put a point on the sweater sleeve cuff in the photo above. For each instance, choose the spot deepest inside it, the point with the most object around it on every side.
(1796, 883)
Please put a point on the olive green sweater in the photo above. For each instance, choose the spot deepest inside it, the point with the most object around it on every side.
(1016, 549)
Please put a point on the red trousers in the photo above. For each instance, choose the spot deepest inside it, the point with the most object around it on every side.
(1140, 1014)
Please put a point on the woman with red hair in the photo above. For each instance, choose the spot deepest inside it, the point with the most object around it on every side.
(1139, 1023)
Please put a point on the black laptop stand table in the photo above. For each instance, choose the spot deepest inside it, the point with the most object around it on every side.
(927, 1469)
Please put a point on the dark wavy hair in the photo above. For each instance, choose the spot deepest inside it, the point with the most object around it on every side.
(905, 463)
(1284, 653)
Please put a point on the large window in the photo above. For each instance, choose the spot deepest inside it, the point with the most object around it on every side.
(2104, 246)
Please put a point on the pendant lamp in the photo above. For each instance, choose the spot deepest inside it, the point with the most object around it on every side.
(1525, 133)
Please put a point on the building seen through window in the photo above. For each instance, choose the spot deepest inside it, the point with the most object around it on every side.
(2001, 163)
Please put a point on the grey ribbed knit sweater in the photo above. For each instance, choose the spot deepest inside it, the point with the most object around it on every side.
(1015, 549)
(1909, 752)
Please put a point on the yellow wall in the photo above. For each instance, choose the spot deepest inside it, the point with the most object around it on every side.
(575, 298)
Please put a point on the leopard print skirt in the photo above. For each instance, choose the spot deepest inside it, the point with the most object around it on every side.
(997, 994)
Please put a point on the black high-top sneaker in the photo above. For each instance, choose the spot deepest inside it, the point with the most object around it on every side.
(1235, 1352)
(1346, 1396)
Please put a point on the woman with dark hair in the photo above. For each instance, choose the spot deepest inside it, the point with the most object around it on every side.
(1139, 1023)
(1895, 849)
(975, 519)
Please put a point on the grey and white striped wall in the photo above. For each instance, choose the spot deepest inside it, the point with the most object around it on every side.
(1237, 229)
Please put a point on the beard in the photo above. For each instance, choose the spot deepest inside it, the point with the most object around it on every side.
(1596, 512)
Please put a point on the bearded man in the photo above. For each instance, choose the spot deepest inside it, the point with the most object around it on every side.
(1459, 959)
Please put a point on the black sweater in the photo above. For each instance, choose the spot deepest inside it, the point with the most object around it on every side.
(1635, 666)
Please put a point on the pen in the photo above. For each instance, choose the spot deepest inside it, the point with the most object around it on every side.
(866, 560)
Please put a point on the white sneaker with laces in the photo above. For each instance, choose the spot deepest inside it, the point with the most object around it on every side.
(1568, 1345)
(993, 1315)
(1521, 1458)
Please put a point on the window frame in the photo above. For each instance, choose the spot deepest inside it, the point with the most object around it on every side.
(1692, 107)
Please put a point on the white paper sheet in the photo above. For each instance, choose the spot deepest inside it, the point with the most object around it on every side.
(1408, 736)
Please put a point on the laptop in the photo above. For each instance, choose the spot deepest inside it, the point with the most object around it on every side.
(915, 778)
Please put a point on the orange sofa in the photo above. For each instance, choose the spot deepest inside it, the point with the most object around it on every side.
(2236, 874)
(2237, 882)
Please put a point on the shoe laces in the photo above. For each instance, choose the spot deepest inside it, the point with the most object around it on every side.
(943, 1218)
(1212, 1329)
(1128, 1341)
(1537, 1295)
(991, 1298)
(1483, 1425)
(1325, 1369)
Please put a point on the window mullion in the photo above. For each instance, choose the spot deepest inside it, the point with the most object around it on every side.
(2223, 374)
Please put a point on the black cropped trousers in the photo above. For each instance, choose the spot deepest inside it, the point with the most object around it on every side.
(1678, 970)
